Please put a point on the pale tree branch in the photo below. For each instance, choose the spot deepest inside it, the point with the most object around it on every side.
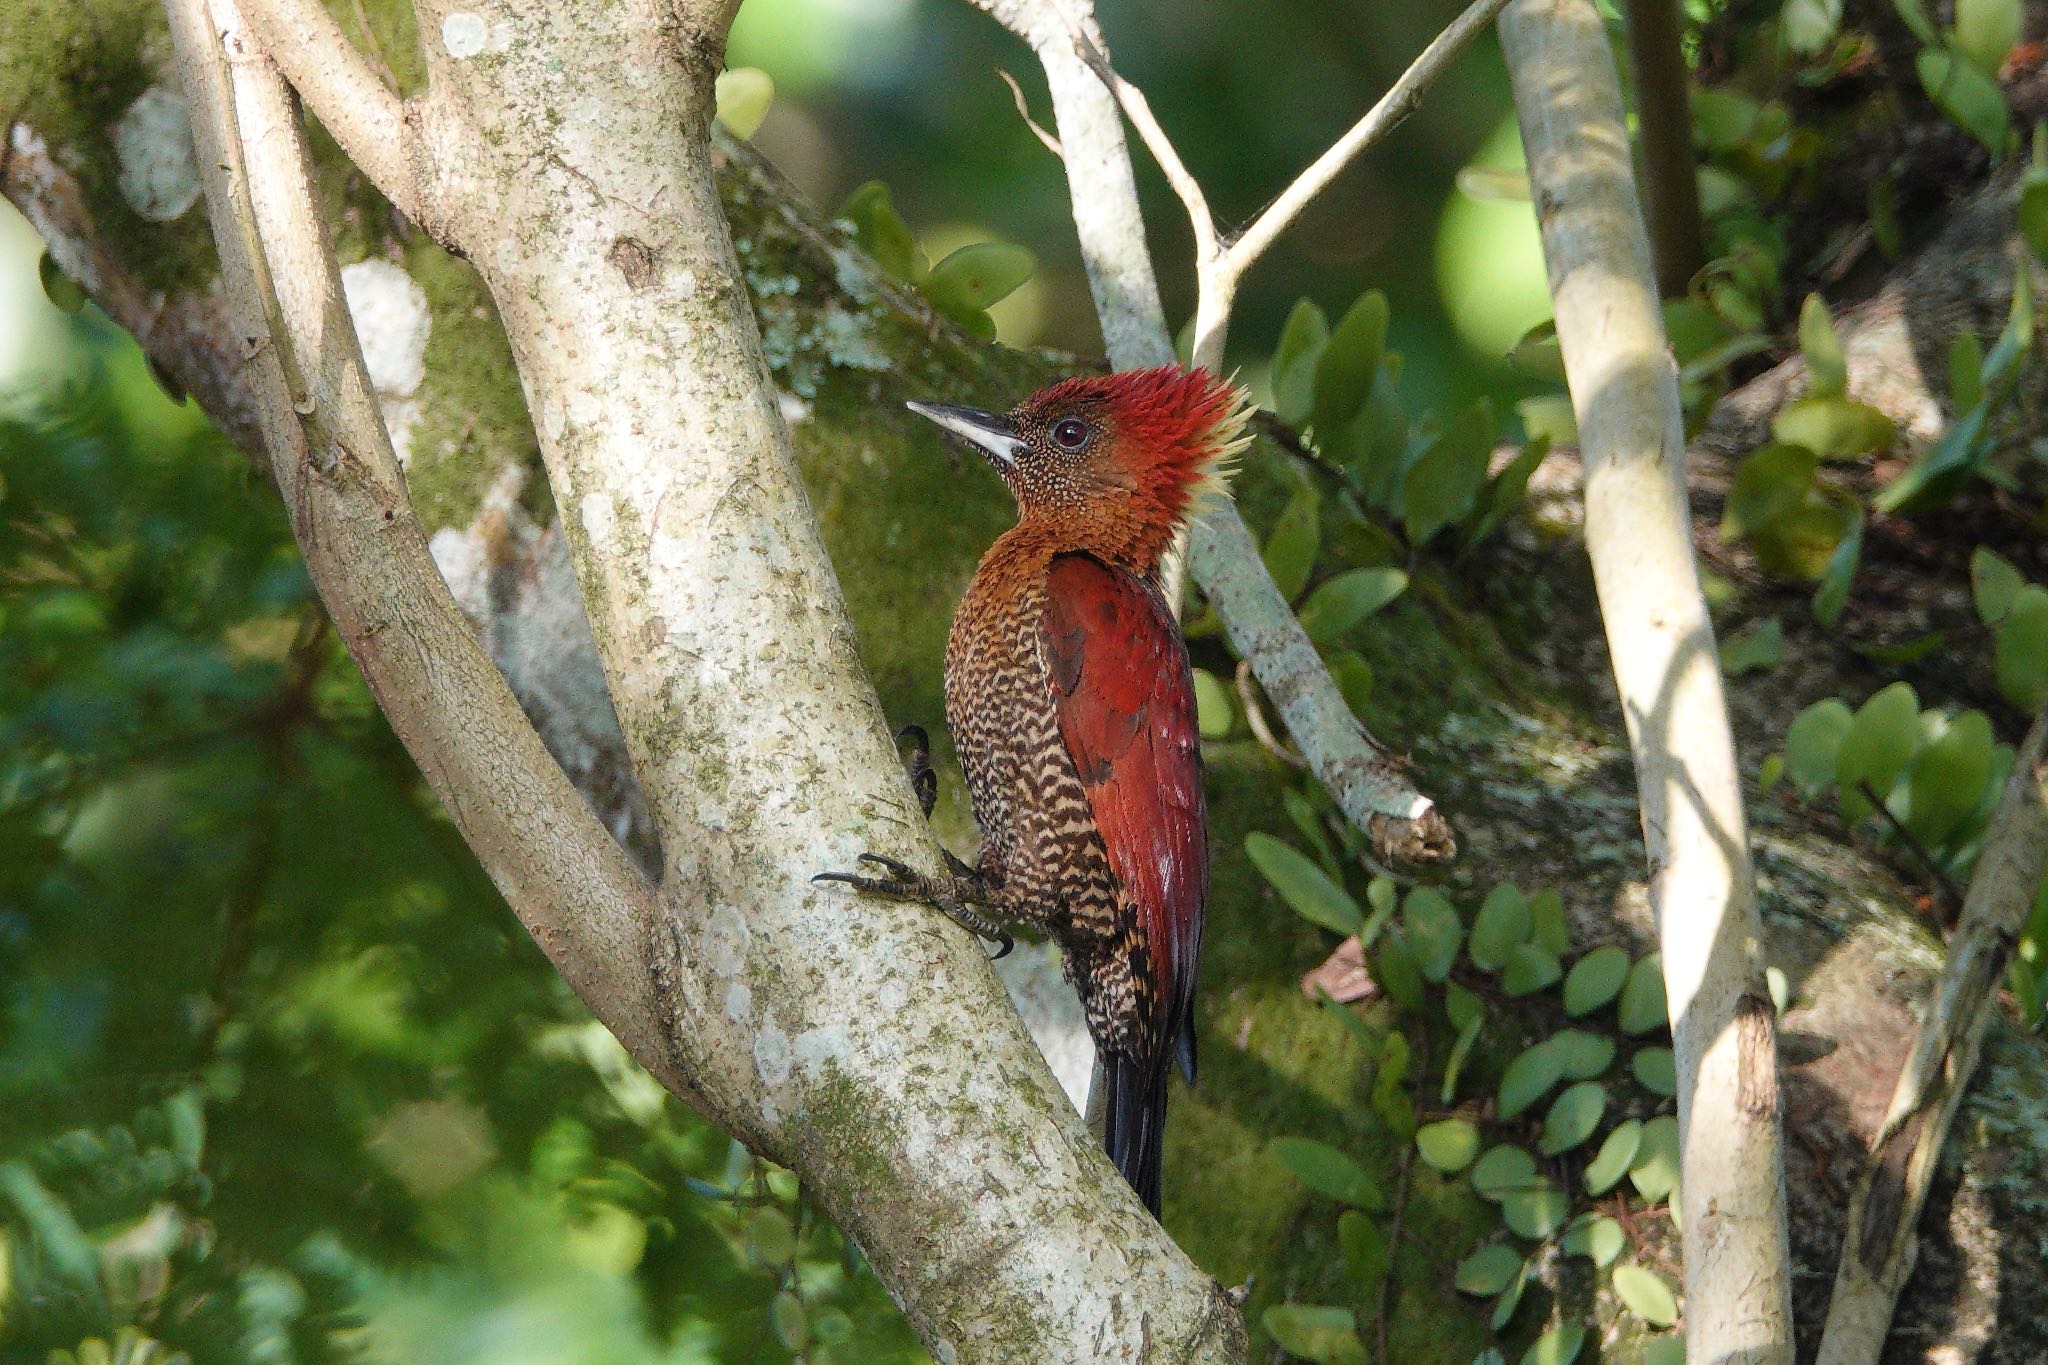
(563, 874)
(347, 95)
(1373, 793)
(1880, 1239)
(1624, 388)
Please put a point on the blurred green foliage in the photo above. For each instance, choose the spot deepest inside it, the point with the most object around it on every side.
(281, 1080)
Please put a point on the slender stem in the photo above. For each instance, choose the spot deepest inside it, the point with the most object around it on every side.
(1664, 128)
(1400, 101)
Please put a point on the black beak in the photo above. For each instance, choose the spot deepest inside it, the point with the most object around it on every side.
(992, 433)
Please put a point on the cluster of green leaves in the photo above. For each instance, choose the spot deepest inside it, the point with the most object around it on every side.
(1935, 776)
(1340, 387)
(1558, 1095)
(1799, 527)
(281, 1080)
(1957, 66)
(963, 286)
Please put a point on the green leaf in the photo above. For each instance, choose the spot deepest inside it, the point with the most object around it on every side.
(1373, 442)
(1303, 885)
(1971, 99)
(1502, 1171)
(2020, 653)
(1366, 1253)
(1595, 979)
(1506, 491)
(1833, 593)
(1294, 362)
(1946, 779)
(789, 1321)
(1502, 923)
(59, 1240)
(1812, 744)
(1573, 1116)
(1654, 1172)
(1454, 1066)
(63, 292)
(1599, 1239)
(1722, 119)
(1809, 25)
(1877, 746)
(1617, 1154)
(1941, 469)
(1965, 372)
(1656, 1070)
(1648, 1297)
(1461, 1006)
(1449, 1145)
(1434, 932)
(1529, 969)
(1827, 374)
(1994, 582)
(771, 1239)
(1549, 417)
(1353, 676)
(1528, 1078)
(978, 275)
(1488, 1270)
(1327, 1336)
(1760, 646)
(2017, 337)
(1440, 486)
(881, 233)
(1510, 1298)
(1986, 31)
(1339, 603)
(1915, 15)
(1582, 1055)
(1214, 711)
(1536, 1211)
(2034, 215)
(1489, 1356)
(1552, 933)
(1768, 486)
(1327, 1171)
(1389, 1097)
(1290, 551)
(1834, 427)
(1642, 998)
(1345, 370)
(743, 95)
(1396, 971)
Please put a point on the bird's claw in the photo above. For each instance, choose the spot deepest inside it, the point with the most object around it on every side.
(923, 779)
(906, 883)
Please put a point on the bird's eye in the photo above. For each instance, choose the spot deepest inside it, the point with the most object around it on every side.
(1070, 432)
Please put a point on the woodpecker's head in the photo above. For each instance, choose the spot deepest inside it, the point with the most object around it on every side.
(1116, 460)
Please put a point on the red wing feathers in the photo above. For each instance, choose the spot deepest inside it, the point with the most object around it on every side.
(1126, 704)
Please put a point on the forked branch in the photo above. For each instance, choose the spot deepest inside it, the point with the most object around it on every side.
(568, 880)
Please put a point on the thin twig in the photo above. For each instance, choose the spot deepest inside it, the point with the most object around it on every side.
(1944, 889)
(1255, 716)
(1401, 100)
(1139, 111)
(1379, 1311)
(1052, 144)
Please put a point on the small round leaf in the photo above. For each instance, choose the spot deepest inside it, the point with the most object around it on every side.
(1617, 1154)
(1502, 923)
(1656, 1070)
(1654, 1172)
(1528, 1078)
(1303, 885)
(1647, 1296)
(1595, 979)
(1558, 1346)
(1642, 999)
(1573, 1116)
(1327, 1171)
(1529, 969)
(1582, 1055)
(1489, 1270)
(1599, 1239)
(1537, 1211)
(1449, 1145)
(1503, 1171)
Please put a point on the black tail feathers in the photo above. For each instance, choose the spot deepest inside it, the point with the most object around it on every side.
(1134, 1123)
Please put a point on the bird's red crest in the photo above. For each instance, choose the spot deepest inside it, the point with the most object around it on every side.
(1171, 432)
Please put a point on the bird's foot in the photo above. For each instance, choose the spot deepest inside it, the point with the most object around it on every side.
(947, 894)
(923, 779)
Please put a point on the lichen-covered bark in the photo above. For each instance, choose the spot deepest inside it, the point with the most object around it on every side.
(1492, 680)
